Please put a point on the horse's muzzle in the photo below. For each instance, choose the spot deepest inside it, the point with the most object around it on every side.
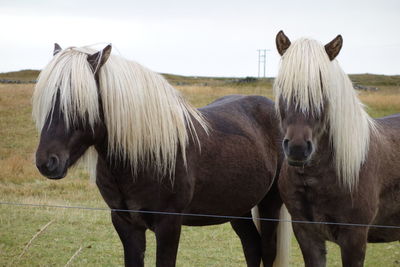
(52, 166)
(297, 154)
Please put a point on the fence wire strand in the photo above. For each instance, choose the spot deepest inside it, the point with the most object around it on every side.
(197, 215)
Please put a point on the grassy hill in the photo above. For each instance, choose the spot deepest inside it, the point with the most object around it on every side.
(362, 79)
(22, 75)
(376, 80)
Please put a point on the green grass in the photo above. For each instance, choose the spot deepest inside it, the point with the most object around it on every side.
(92, 230)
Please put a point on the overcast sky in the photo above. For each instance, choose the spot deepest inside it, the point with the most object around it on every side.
(200, 38)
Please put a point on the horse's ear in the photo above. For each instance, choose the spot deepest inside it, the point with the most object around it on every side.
(333, 47)
(282, 42)
(98, 59)
(57, 49)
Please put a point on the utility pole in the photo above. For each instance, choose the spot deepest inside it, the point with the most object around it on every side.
(262, 61)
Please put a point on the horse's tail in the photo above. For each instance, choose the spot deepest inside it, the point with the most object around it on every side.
(284, 239)
(284, 235)
(255, 213)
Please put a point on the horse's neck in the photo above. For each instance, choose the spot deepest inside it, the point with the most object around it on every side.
(144, 170)
(122, 171)
(110, 162)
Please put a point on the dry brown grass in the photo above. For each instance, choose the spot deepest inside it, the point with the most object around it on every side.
(23, 75)
(17, 133)
(383, 102)
(200, 96)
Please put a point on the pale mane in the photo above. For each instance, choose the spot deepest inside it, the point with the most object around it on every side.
(147, 120)
(308, 77)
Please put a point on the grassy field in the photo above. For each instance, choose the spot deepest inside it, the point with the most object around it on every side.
(90, 232)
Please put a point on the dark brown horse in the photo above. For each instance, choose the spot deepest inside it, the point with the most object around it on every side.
(341, 165)
(154, 152)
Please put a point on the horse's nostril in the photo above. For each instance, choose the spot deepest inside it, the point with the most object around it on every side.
(309, 148)
(286, 144)
(52, 163)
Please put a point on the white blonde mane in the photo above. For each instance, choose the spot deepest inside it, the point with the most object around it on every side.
(308, 77)
(146, 118)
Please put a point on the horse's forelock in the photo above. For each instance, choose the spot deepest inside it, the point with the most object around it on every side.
(68, 76)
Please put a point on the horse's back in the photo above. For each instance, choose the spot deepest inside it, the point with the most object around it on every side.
(233, 101)
(391, 121)
(242, 111)
(388, 136)
(252, 117)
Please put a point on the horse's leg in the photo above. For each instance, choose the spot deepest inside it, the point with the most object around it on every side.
(353, 245)
(167, 231)
(250, 238)
(312, 246)
(132, 237)
(269, 208)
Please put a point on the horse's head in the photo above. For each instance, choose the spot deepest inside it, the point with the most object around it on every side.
(301, 132)
(65, 137)
(302, 106)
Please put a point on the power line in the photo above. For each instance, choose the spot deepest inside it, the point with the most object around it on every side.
(262, 61)
(197, 215)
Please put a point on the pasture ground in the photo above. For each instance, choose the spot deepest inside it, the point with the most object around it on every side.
(92, 231)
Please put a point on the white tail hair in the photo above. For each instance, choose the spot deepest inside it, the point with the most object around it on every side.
(284, 235)
(284, 239)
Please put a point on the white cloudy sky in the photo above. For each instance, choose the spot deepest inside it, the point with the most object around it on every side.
(204, 38)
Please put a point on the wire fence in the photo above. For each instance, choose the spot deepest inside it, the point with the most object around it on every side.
(199, 215)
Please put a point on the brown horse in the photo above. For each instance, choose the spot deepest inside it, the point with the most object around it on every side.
(341, 165)
(156, 153)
